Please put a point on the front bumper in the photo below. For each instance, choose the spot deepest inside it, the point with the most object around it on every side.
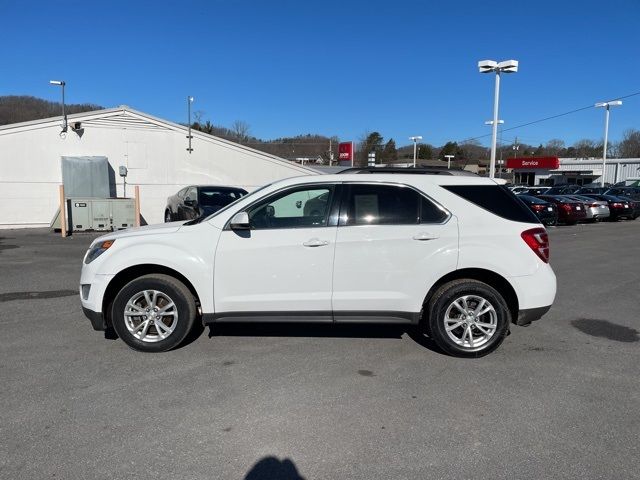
(97, 319)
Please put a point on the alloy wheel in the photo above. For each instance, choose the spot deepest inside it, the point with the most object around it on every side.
(470, 321)
(150, 316)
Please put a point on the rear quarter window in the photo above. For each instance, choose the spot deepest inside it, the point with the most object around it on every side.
(497, 199)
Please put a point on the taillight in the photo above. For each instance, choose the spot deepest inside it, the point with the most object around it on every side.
(538, 241)
(595, 205)
(538, 207)
(566, 207)
(616, 205)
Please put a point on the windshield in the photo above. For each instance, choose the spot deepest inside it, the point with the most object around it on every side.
(531, 199)
(202, 218)
(219, 197)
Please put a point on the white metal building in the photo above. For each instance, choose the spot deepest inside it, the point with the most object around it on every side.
(580, 172)
(153, 150)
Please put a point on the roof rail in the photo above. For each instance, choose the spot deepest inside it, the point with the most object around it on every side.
(409, 170)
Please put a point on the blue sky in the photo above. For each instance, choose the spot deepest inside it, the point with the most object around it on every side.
(335, 68)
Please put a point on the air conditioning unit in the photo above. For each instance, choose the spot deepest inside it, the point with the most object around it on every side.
(97, 214)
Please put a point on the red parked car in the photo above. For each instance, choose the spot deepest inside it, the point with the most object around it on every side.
(570, 211)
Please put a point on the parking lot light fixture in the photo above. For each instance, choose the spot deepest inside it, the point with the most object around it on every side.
(606, 106)
(189, 137)
(488, 66)
(61, 83)
(449, 157)
(415, 146)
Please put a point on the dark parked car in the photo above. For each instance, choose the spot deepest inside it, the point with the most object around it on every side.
(547, 212)
(562, 190)
(624, 192)
(200, 200)
(570, 211)
(596, 190)
(619, 207)
(536, 191)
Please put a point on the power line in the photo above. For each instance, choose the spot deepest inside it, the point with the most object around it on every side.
(548, 118)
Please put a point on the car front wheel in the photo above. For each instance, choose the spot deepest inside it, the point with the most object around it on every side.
(153, 313)
(467, 318)
(167, 216)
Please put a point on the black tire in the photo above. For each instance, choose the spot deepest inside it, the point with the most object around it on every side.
(167, 216)
(176, 291)
(442, 300)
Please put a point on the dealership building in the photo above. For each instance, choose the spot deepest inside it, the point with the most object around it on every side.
(154, 151)
(573, 171)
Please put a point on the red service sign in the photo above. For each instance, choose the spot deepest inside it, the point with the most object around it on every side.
(547, 163)
(345, 153)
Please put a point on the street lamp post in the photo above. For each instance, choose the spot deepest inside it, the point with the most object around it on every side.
(415, 146)
(500, 122)
(64, 114)
(606, 106)
(189, 102)
(487, 66)
(449, 157)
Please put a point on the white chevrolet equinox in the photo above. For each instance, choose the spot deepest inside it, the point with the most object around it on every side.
(459, 257)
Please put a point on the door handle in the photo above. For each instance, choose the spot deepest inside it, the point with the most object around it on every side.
(424, 236)
(315, 242)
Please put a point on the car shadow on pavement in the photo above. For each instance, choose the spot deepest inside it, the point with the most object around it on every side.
(322, 330)
(270, 468)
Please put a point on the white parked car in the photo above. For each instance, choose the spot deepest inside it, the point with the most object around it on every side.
(458, 256)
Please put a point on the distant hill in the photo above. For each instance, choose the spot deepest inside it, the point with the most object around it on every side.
(22, 108)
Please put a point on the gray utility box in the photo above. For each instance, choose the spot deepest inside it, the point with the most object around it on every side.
(100, 214)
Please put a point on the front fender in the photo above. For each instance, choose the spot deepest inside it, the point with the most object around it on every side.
(187, 251)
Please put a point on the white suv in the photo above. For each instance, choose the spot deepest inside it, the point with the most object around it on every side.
(458, 256)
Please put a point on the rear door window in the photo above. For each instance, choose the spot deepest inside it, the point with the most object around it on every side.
(367, 204)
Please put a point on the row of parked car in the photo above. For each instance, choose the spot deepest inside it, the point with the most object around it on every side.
(570, 204)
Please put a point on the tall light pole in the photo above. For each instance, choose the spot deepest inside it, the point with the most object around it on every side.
(189, 102)
(415, 146)
(606, 106)
(500, 122)
(64, 114)
(449, 157)
(488, 66)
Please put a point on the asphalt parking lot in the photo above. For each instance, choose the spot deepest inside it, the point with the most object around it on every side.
(559, 399)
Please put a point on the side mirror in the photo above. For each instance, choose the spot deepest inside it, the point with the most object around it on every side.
(240, 221)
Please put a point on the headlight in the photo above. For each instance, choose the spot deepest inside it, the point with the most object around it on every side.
(97, 250)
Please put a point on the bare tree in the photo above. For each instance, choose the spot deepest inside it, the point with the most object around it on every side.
(241, 130)
(629, 146)
(198, 115)
(587, 148)
(554, 147)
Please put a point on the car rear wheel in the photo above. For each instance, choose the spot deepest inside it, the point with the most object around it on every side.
(467, 318)
(153, 313)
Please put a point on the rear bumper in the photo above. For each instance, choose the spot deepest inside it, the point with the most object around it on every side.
(96, 318)
(525, 317)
